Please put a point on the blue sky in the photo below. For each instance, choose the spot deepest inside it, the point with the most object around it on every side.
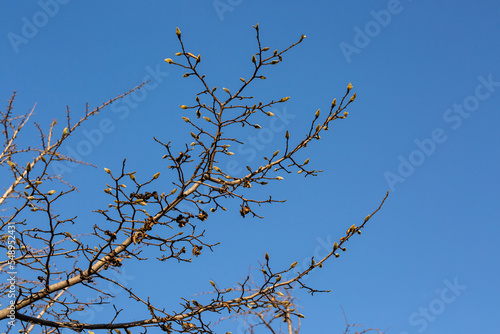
(424, 125)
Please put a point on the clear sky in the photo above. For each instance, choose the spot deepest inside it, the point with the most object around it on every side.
(424, 125)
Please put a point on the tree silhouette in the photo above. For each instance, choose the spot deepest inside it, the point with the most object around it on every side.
(59, 268)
